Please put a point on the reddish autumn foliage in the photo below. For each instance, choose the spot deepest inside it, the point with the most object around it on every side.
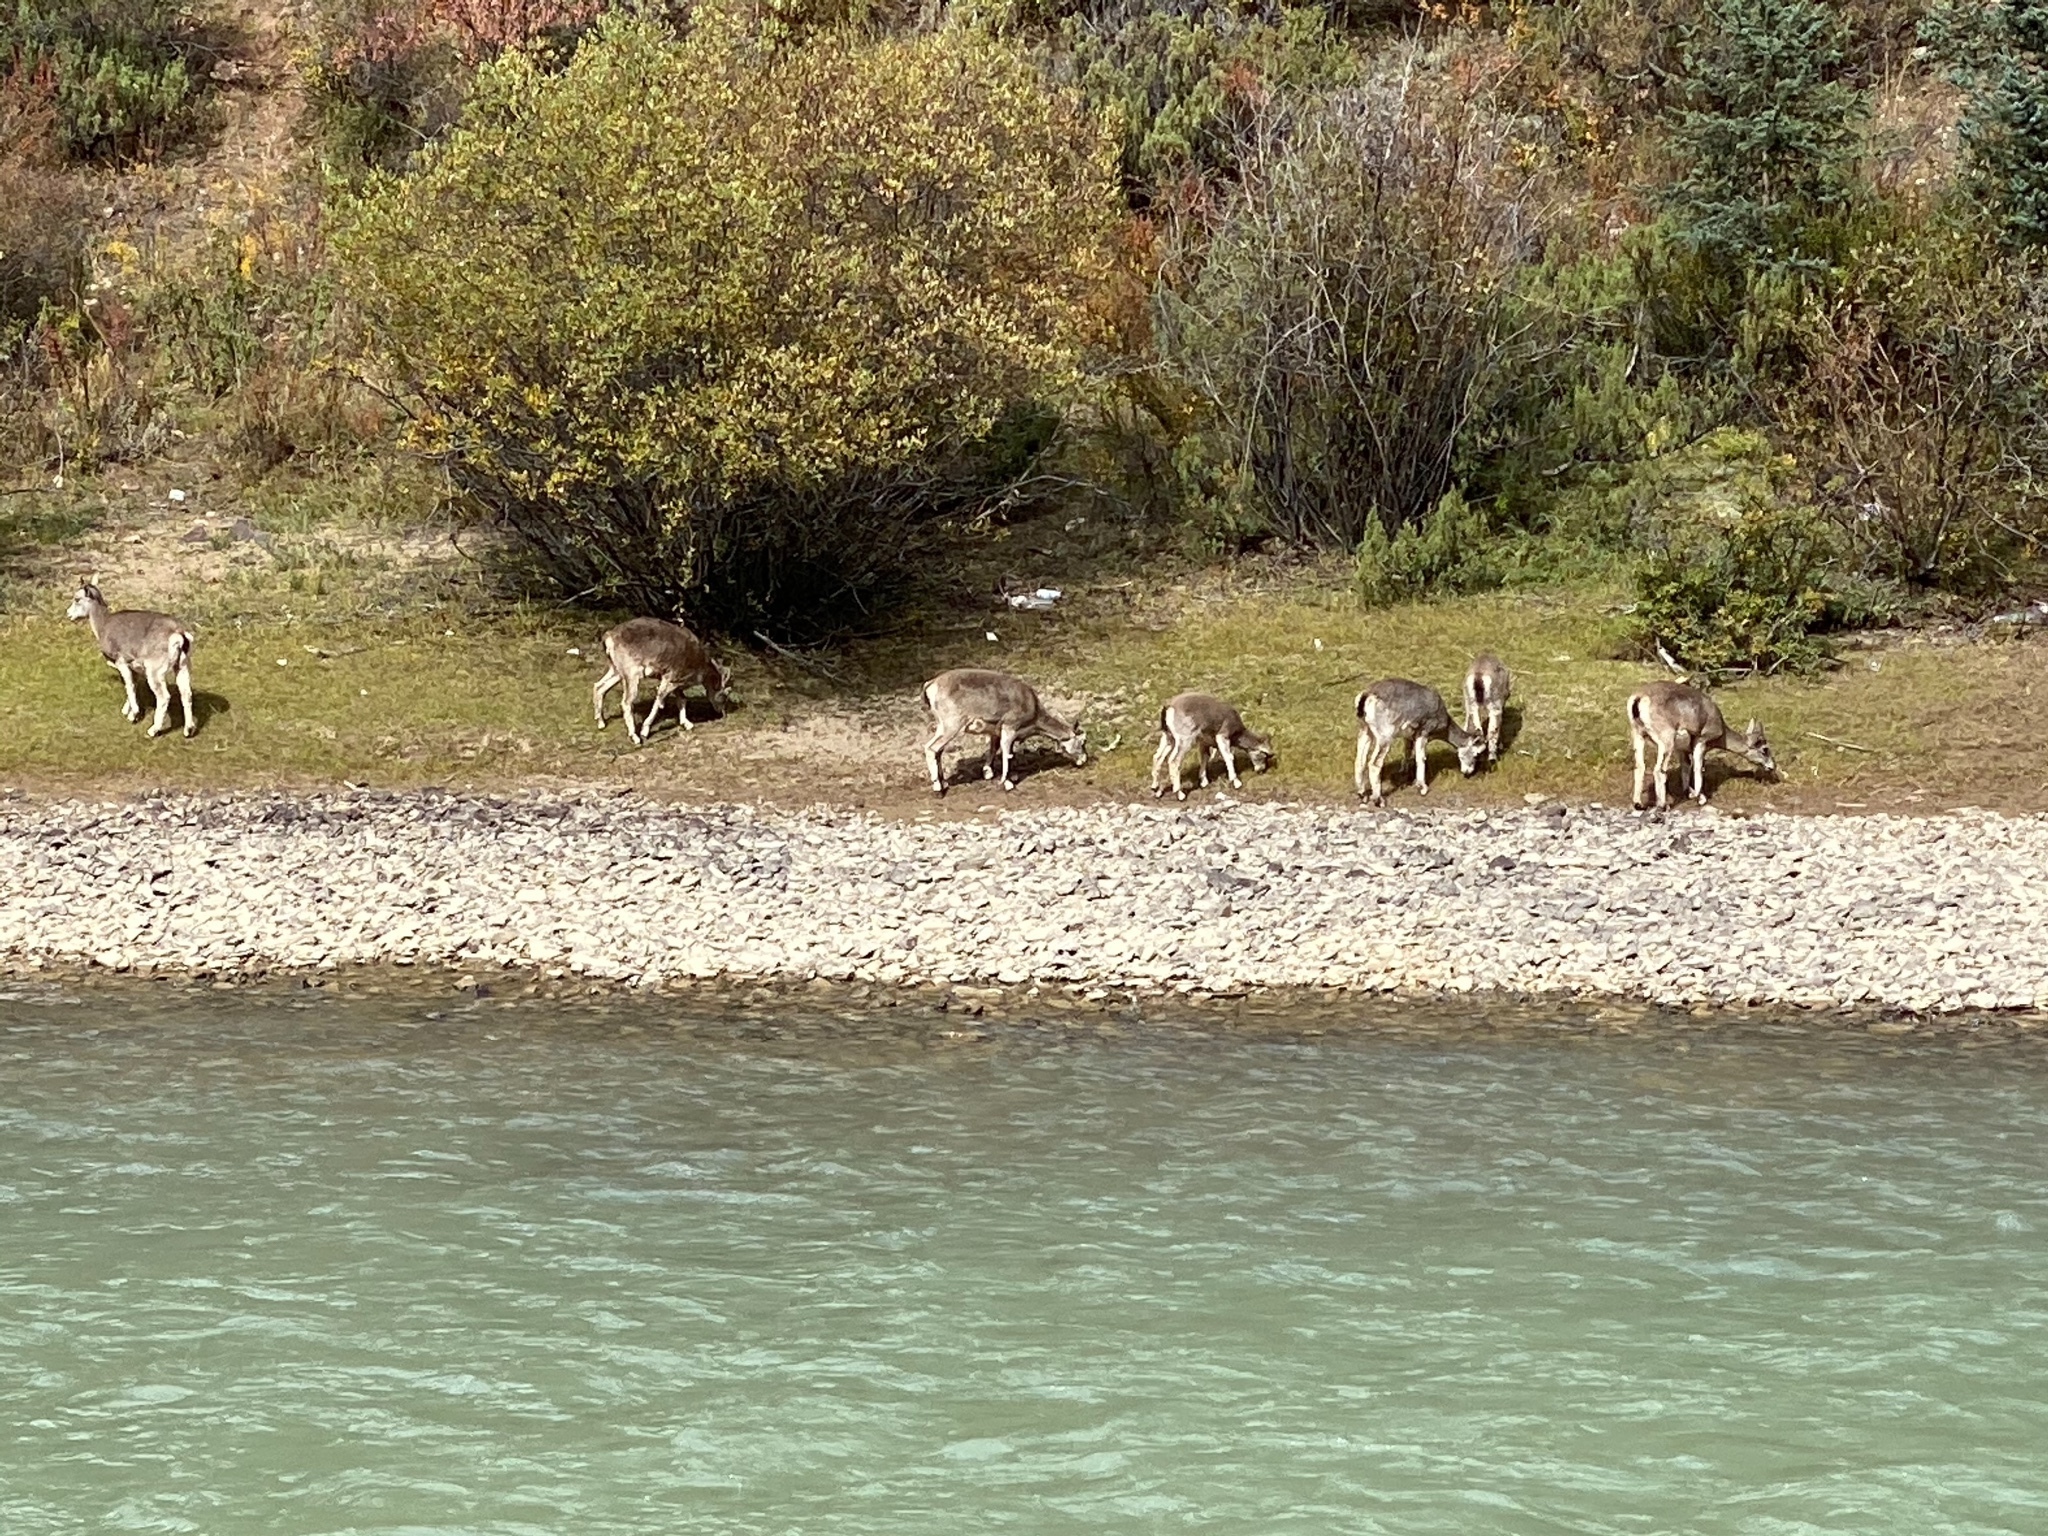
(477, 29)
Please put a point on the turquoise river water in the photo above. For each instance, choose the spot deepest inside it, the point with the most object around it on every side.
(282, 1266)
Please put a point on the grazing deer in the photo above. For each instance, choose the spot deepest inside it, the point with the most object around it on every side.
(1394, 709)
(137, 637)
(1682, 721)
(1003, 708)
(1486, 690)
(677, 661)
(1189, 723)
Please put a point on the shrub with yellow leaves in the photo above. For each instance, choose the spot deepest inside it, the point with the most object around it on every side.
(729, 320)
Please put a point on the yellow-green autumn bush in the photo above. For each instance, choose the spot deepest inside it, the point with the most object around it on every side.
(728, 319)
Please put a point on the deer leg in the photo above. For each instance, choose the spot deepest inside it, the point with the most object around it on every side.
(185, 696)
(629, 695)
(605, 685)
(663, 690)
(132, 710)
(1381, 750)
(1663, 775)
(1159, 757)
(1229, 762)
(1361, 762)
(1636, 799)
(935, 756)
(160, 686)
(1493, 733)
(1419, 750)
(1699, 772)
(1009, 740)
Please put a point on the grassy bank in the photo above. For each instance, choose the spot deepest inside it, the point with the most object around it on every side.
(484, 698)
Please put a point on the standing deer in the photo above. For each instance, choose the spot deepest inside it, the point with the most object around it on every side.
(138, 637)
(1486, 690)
(677, 661)
(1003, 708)
(1682, 721)
(1189, 723)
(1395, 709)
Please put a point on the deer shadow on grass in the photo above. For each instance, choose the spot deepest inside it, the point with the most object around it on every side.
(206, 706)
(1026, 763)
(1510, 727)
(701, 711)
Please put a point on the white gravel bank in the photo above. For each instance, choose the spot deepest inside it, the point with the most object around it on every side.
(1930, 913)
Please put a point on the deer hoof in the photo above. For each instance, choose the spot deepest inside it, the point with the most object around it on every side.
(1237, 783)
(156, 730)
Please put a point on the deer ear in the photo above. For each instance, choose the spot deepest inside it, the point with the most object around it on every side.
(1755, 732)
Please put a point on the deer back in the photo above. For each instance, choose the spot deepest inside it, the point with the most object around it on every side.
(997, 699)
(138, 636)
(1398, 704)
(1679, 709)
(1203, 714)
(657, 647)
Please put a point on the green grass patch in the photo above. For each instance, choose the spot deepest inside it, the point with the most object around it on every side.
(402, 703)
(491, 701)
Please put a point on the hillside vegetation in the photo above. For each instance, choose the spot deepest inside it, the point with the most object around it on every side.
(1699, 333)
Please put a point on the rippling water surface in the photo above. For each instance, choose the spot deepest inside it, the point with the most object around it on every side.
(331, 1267)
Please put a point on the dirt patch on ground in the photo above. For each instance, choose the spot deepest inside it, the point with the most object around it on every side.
(175, 204)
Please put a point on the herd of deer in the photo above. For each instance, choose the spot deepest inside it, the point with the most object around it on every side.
(1679, 721)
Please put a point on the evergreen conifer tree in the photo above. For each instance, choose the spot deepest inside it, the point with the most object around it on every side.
(1999, 55)
(1766, 135)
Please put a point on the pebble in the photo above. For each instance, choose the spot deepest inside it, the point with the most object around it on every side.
(1922, 913)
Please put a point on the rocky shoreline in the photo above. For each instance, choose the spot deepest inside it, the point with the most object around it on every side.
(1933, 914)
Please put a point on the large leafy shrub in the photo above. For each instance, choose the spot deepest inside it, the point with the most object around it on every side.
(1343, 316)
(725, 321)
(1736, 574)
(1741, 594)
(1923, 405)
